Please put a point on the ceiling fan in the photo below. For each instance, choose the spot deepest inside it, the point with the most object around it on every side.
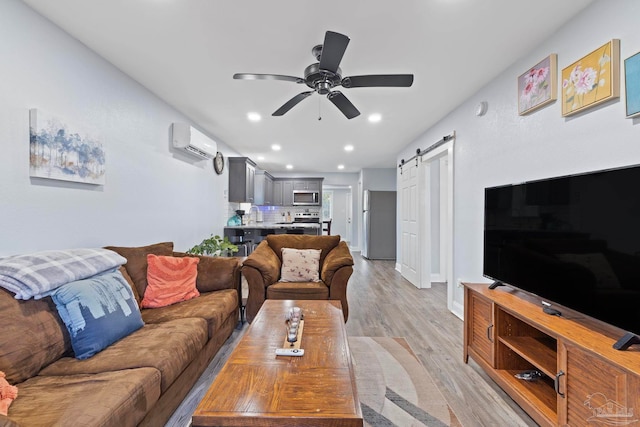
(325, 75)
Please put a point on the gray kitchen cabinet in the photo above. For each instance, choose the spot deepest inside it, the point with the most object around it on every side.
(268, 189)
(277, 192)
(287, 193)
(311, 184)
(242, 172)
(263, 188)
(282, 192)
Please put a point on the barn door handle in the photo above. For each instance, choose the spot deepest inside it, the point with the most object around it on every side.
(556, 383)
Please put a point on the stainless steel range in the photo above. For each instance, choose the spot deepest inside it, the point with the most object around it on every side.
(305, 223)
(307, 217)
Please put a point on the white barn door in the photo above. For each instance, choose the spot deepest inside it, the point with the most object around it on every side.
(410, 228)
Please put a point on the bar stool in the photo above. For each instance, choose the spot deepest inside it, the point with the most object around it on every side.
(327, 227)
(245, 246)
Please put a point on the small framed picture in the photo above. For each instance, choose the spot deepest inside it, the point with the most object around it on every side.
(538, 86)
(632, 85)
(592, 80)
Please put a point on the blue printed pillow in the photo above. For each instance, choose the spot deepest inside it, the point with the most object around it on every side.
(97, 311)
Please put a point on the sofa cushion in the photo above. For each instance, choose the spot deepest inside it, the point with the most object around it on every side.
(214, 307)
(169, 347)
(136, 264)
(120, 398)
(214, 273)
(132, 285)
(97, 311)
(300, 265)
(32, 336)
(324, 243)
(298, 290)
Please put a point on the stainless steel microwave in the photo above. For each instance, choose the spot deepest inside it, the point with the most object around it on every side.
(306, 198)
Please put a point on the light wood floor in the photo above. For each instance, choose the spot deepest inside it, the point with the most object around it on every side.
(382, 303)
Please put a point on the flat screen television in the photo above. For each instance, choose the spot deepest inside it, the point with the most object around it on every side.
(572, 240)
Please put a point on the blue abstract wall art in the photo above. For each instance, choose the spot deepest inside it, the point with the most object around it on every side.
(632, 84)
(58, 150)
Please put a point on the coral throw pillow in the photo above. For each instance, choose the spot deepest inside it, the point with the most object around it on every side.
(170, 280)
(300, 265)
(8, 392)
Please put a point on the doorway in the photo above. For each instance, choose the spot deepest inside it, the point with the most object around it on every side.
(336, 205)
(426, 186)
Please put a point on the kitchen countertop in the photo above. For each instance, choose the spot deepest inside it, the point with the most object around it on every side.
(276, 225)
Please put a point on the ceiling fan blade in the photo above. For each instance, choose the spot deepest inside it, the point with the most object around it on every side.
(343, 104)
(246, 76)
(291, 103)
(332, 51)
(379, 80)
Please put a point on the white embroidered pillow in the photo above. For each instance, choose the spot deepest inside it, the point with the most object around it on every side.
(300, 265)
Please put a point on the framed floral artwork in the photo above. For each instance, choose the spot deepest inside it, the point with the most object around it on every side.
(632, 85)
(592, 80)
(538, 86)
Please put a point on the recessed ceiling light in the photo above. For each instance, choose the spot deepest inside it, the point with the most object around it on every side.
(289, 166)
(254, 117)
(348, 147)
(260, 158)
(275, 147)
(340, 166)
(375, 118)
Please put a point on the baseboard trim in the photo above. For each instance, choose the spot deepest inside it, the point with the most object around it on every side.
(457, 309)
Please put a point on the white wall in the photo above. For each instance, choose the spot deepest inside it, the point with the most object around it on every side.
(502, 147)
(379, 179)
(152, 193)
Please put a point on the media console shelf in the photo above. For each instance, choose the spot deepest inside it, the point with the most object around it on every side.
(583, 379)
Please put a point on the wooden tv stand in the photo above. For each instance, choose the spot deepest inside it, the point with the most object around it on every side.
(585, 381)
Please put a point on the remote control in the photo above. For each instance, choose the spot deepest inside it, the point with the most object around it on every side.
(289, 352)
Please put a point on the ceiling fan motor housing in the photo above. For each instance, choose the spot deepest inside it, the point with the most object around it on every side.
(321, 81)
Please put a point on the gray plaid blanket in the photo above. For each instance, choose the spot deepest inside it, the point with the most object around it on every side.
(36, 275)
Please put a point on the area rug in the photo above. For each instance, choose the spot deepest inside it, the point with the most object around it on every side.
(394, 387)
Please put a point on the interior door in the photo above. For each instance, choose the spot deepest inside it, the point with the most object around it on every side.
(365, 224)
(349, 213)
(410, 268)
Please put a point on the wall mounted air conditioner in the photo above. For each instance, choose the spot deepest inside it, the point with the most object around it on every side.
(193, 141)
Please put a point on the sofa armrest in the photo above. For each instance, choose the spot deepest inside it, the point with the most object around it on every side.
(261, 269)
(338, 257)
(215, 273)
(265, 260)
(7, 422)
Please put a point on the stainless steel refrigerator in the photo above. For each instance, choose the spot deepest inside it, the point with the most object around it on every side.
(379, 222)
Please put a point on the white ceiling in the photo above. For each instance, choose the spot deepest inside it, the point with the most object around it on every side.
(186, 52)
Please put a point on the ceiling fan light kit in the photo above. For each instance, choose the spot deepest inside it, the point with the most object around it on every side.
(325, 75)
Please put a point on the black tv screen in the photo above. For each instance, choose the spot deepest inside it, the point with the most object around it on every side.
(572, 240)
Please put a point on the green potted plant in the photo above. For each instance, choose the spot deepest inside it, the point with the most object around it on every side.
(214, 246)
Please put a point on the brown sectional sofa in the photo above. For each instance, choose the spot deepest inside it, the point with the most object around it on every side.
(140, 379)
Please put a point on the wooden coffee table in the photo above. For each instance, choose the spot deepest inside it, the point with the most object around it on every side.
(257, 388)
